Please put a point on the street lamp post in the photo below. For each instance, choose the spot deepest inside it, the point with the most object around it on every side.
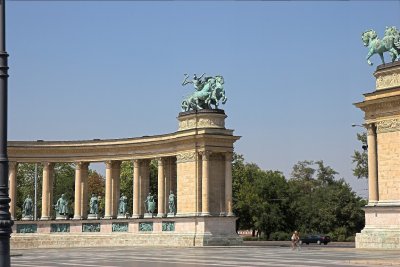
(5, 217)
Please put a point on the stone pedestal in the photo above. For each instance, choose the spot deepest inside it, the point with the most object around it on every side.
(123, 216)
(93, 217)
(61, 217)
(149, 215)
(170, 215)
(27, 218)
(382, 120)
(204, 118)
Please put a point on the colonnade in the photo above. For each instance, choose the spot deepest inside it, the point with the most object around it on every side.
(167, 181)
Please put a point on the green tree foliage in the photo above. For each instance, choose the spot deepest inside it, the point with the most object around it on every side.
(259, 197)
(312, 201)
(26, 185)
(360, 158)
(322, 204)
(64, 183)
(127, 180)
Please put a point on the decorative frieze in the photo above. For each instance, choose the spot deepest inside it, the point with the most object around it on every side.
(59, 228)
(26, 228)
(168, 226)
(388, 126)
(120, 227)
(186, 156)
(91, 227)
(202, 120)
(146, 226)
(387, 80)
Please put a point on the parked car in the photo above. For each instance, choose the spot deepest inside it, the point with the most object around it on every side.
(315, 238)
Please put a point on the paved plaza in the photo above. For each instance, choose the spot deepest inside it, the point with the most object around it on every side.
(204, 256)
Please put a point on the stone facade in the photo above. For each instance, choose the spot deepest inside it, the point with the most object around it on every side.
(195, 163)
(382, 120)
(189, 231)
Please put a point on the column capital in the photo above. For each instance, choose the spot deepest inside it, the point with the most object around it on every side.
(136, 162)
(81, 165)
(161, 161)
(48, 165)
(205, 155)
(12, 164)
(371, 128)
(229, 156)
(110, 164)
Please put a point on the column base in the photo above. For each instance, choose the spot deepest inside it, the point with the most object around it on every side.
(230, 214)
(26, 218)
(136, 216)
(108, 217)
(45, 218)
(61, 217)
(205, 214)
(77, 217)
(148, 215)
(161, 215)
(123, 216)
(93, 217)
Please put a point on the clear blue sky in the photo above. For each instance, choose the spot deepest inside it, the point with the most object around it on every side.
(88, 69)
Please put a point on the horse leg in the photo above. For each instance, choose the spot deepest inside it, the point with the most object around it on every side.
(394, 54)
(382, 58)
(370, 53)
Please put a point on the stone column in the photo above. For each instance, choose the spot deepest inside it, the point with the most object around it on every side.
(84, 190)
(205, 188)
(47, 190)
(136, 188)
(81, 172)
(78, 192)
(161, 188)
(228, 184)
(108, 195)
(372, 165)
(12, 177)
(116, 171)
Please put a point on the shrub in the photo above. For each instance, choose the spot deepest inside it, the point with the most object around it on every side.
(280, 236)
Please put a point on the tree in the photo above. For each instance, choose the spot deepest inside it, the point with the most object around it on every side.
(259, 197)
(321, 203)
(26, 185)
(126, 176)
(64, 183)
(126, 185)
(360, 158)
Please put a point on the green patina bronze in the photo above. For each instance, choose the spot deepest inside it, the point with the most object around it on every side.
(168, 226)
(171, 202)
(94, 204)
(123, 205)
(27, 207)
(59, 228)
(26, 228)
(91, 227)
(209, 91)
(61, 206)
(146, 226)
(120, 227)
(150, 204)
(389, 43)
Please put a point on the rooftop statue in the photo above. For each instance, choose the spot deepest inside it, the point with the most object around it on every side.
(209, 91)
(389, 43)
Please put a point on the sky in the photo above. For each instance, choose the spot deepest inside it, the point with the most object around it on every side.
(113, 69)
